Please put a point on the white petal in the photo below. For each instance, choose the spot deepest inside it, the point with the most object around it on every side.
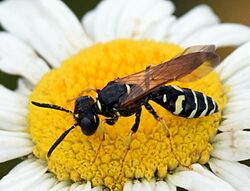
(153, 184)
(18, 58)
(14, 152)
(159, 30)
(236, 112)
(23, 88)
(95, 21)
(74, 186)
(13, 110)
(239, 80)
(48, 25)
(233, 106)
(236, 121)
(132, 17)
(159, 12)
(69, 23)
(162, 186)
(14, 145)
(199, 177)
(127, 186)
(88, 22)
(107, 10)
(23, 175)
(238, 175)
(236, 107)
(136, 186)
(239, 95)
(220, 35)
(79, 187)
(13, 119)
(194, 20)
(87, 187)
(97, 188)
(127, 18)
(10, 126)
(236, 61)
(61, 186)
(171, 186)
(146, 186)
(44, 183)
(29, 163)
(9, 97)
(232, 146)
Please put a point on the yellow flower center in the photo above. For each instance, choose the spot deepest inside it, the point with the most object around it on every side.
(80, 157)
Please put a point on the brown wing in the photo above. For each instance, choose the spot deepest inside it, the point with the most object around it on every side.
(205, 68)
(182, 67)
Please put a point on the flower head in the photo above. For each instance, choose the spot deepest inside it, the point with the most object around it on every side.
(91, 56)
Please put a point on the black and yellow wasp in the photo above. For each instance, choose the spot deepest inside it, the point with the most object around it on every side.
(126, 96)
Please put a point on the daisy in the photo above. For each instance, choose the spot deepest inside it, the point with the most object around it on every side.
(57, 58)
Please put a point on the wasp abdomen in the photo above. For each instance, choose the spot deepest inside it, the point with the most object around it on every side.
(184, 102)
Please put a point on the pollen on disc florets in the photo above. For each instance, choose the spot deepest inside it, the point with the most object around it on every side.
(151, 152)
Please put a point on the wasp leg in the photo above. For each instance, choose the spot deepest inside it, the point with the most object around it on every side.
(135, 126)
(109, 121)
(157, 117)
(128, 139)
(137, 120)
(112, 121)
(153, 112)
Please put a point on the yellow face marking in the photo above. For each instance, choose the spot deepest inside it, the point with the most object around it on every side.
(94, 118)
(178, 104)
(116, 112)
(99, 105)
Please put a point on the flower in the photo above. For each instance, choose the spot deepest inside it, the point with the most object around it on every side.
(53, 31)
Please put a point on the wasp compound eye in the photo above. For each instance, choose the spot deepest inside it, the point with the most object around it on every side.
(89, 125)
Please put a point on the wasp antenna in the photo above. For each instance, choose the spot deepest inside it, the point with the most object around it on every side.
(59, 140)
(51, 106)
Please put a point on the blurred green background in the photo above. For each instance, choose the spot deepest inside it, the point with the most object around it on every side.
(227, 10)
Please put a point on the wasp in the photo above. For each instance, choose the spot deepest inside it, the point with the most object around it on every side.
(126, 96)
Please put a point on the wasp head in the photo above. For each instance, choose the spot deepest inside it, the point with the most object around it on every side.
(85, 115)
